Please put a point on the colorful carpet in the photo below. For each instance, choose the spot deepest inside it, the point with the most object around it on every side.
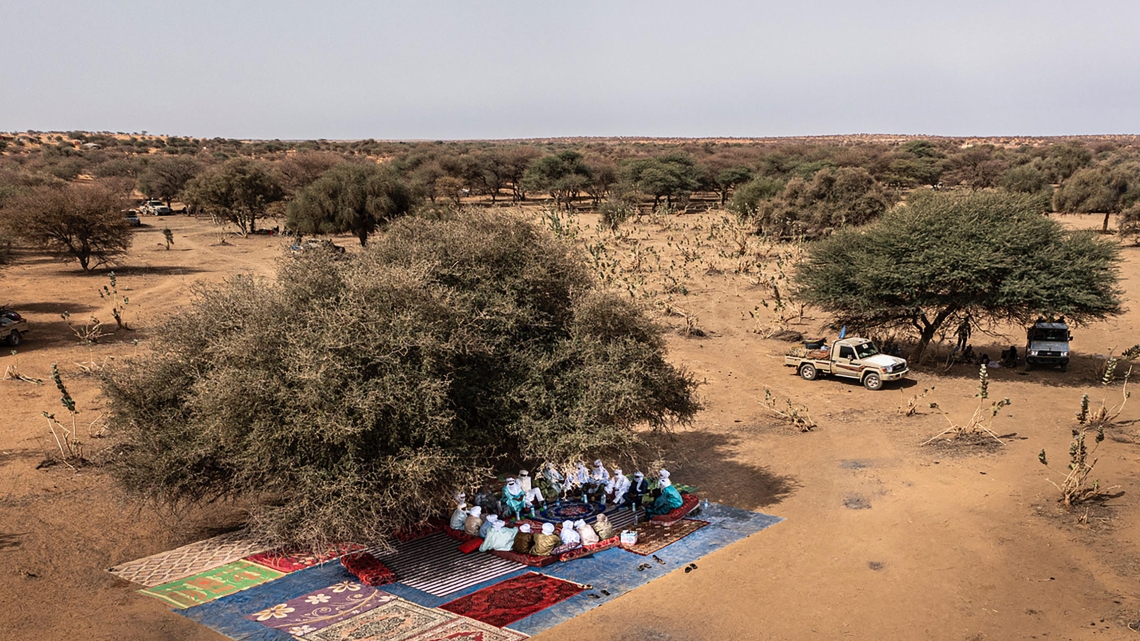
(573, 510)
(292, 560)
(182, 562)
(513, 599)
(397, 620)
(322, 608)
(651, 537)
(463, 629)
(212, 584)
(435, 565)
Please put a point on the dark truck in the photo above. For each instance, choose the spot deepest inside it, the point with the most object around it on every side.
(1047, 344)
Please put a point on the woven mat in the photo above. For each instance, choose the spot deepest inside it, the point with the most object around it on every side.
(464, 629)
(182, 562)
(292, 560)
(435, 565)
(212, 584)
(513, 599)
(397, 620)
(652, 537)
(321, 608)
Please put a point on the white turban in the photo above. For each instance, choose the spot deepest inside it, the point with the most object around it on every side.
(525, 527)
(638, 475)
(497, 524)
(598, 463)
(548, 528)
(664, 474)
(617, 472)
(524, 473)
(567, 525)
(476, 511)
(579, 523)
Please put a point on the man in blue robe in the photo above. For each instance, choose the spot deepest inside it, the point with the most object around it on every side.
(669, 498)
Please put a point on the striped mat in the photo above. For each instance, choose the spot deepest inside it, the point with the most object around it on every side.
(435, 565)
(623, 519)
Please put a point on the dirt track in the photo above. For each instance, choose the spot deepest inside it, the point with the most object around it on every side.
(948, 543)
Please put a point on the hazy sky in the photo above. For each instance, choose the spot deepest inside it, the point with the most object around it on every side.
(444, 70)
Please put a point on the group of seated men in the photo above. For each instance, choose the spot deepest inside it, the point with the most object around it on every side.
(519, 497)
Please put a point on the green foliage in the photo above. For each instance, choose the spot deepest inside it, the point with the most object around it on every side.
(356, 394)
(833, 199)
(166, 176)
(562, 175)
(746, 200)
(666, 176)
(350, 197)
(942, 256)
(238, 191)
(81, 222)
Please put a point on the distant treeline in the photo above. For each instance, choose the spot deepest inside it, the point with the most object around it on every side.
(793, 187)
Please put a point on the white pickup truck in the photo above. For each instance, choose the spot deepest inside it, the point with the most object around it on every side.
(856, 358)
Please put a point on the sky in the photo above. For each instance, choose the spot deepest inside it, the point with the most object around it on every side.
(426, 69)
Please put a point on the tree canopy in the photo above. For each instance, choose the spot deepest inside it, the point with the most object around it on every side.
(940, 257)
(356, 394)
(164, 177)
(80, 222)
(350, 197)
(562, 175)
(238, 190)
(832, 199)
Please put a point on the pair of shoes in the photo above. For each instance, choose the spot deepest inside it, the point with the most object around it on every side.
(690, 567)
(656, 558)
(643, 567)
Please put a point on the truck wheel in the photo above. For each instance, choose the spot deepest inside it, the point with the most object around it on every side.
(1064, 367)
(1028, 366)
(14, 339)
(872, 381)
(808, 372)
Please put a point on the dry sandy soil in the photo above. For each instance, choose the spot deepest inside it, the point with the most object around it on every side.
(884, 538)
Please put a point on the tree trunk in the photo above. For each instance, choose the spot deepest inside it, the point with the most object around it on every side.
(363, 236)
(928, 332)
(1104, 228)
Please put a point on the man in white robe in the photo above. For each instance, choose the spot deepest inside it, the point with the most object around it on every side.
(617, 487)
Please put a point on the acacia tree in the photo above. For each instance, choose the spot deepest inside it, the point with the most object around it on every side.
(943, 256)
(662, 177)
(359, 393)
(350, 197)
(1104, 189)
(164, 177)
(239, 191)
(80, 222)
(563, 176)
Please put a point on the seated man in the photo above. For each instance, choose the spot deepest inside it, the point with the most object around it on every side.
(545, 541)
(578, 479)
(586, 533)
(499, 537)
(486, 499)
(637, 490)
(596, 485)
(617, 487)
(552, 482)
(669, 498)
(603, 527)
(474, 521)
(458, 517)
(523, 540)
(524, 480)
(491, 520)
(569, 534)
(516, 499)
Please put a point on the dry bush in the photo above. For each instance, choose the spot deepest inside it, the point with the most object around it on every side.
(1075, 487)
(794, 415)
(356, 393)
(981, 421)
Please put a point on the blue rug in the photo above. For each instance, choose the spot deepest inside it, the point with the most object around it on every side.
(613, 570)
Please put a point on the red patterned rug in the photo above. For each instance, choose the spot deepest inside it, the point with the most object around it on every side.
(513, 599)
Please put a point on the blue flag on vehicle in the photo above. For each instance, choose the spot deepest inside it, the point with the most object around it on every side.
(843, 332)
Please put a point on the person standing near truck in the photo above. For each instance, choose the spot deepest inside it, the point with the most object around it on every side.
(963, 333)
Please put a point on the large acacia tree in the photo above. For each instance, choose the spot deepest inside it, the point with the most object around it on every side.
(239, 190)
(356, 394)
(80, 222)
(940, 257)
(350, 197)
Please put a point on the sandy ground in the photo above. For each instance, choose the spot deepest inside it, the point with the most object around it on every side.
(945, 543)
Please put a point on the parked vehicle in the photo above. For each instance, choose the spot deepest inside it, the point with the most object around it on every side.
(318, 243)
(1047, 344)
(856, 358)
(133, 218)
(12, 327)
(156, 208)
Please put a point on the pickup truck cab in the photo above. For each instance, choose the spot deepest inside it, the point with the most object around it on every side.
(1047, 344)
(856, 358)
(12, 327)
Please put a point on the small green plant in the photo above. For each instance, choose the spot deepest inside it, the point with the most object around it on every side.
(1105, 414)
(169, 236)
(981, 422)
(111, 293)
(1075, 487)
(912, 405)
(66, 437)
(797, 416)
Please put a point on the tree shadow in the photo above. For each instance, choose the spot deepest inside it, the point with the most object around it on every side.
(1084, 370)
(8, 541)
(707, 460)
(50, 308)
